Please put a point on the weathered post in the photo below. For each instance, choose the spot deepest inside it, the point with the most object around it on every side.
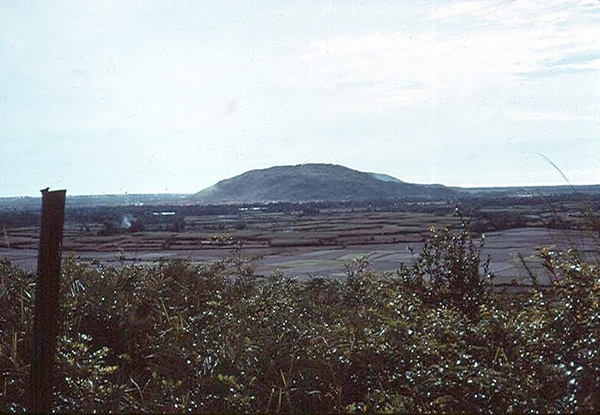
(6, 238)
(45, 319)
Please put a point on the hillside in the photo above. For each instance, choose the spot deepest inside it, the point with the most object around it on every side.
(313, 182)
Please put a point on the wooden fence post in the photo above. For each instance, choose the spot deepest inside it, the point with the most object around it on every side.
(45, 320)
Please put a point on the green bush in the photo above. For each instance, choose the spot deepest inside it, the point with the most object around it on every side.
(176, 337)
(449, 271)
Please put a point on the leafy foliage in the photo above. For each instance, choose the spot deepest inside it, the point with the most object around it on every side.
(176, 337)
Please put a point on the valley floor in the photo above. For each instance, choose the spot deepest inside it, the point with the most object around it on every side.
(502, 247)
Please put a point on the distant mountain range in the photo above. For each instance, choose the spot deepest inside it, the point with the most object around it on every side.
(303, 183)
(314, 182)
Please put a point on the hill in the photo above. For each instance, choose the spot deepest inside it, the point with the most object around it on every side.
(313, 182)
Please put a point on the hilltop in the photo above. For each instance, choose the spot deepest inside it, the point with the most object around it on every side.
(314, 182)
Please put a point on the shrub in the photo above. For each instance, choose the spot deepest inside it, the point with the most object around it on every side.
(449, 271)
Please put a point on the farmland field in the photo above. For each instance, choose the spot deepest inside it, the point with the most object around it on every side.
(296, 244)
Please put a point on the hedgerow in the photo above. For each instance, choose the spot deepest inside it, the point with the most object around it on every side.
(433, 337)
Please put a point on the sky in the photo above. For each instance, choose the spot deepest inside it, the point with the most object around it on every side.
(103, 97)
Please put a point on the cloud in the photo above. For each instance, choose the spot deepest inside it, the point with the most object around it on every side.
(539, 34)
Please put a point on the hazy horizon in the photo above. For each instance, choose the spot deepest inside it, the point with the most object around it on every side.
(115, 97)
(193, 192)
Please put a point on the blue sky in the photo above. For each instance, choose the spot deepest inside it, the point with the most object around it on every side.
(103, 96)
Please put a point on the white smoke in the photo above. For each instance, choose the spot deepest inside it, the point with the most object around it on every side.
(127, 220)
